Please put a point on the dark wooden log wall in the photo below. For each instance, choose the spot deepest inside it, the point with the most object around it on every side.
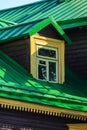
(50, 32)
(19, 120)
(76, 54)
(18, 50)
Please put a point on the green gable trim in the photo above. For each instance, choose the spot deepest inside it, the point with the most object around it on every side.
(60, 30)
(39, 26)
(45, 23)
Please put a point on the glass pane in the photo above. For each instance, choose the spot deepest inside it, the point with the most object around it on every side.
(52, 71)
(42, 72)
(42, 62)
(47, 52)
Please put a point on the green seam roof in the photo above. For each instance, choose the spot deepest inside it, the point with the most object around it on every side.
(67, 15)
(22, 13)
(69, 10)
(17, 84)
(30, 29)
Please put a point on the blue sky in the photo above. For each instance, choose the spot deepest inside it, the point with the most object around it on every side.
(12, 3)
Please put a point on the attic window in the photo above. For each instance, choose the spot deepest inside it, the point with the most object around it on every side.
(47, 64)
(47, 59)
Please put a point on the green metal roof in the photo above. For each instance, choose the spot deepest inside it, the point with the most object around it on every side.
(17, 84)
(22, 13)
(66, 12)
(21, 30)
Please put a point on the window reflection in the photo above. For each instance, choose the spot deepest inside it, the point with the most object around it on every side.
(52, 71)
(47, 52)
(42, 72)
(47, 64)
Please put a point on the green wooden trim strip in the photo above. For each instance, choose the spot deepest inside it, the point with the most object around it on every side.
(60, 30)
(39, 26)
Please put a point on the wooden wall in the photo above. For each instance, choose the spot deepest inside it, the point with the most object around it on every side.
(76, 54)
(50, 32)
(18, 50)
(18, 120)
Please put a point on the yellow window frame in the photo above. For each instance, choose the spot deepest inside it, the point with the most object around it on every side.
(51, 43)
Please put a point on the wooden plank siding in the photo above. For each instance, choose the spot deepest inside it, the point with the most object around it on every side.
(50, 32)
(19, 51)
(19, 120)
(76, 54)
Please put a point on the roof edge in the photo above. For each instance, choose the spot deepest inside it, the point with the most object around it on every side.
(43, 109)
(61, 31)
(74, 24)
(6, 57)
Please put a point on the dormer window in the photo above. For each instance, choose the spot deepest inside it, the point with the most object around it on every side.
(47, 59)
(47, 64)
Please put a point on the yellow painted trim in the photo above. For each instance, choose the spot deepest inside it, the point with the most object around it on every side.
(47, 42)
(79, 126)
(44, 109)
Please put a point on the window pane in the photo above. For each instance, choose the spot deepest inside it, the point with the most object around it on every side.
(52, 71)
(42, 62)
(47, 52)
(42, 72)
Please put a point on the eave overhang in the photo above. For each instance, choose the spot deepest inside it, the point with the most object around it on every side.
(73, 23)
(42, 109)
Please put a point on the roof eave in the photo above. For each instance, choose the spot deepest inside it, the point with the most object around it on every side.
(73, 23)
(44, 109)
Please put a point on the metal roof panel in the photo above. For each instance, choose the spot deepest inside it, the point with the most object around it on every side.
(61, 12)
(17, 84)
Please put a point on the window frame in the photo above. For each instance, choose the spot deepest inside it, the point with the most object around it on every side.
(47, 67)
(37, 40)
(55, 49)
